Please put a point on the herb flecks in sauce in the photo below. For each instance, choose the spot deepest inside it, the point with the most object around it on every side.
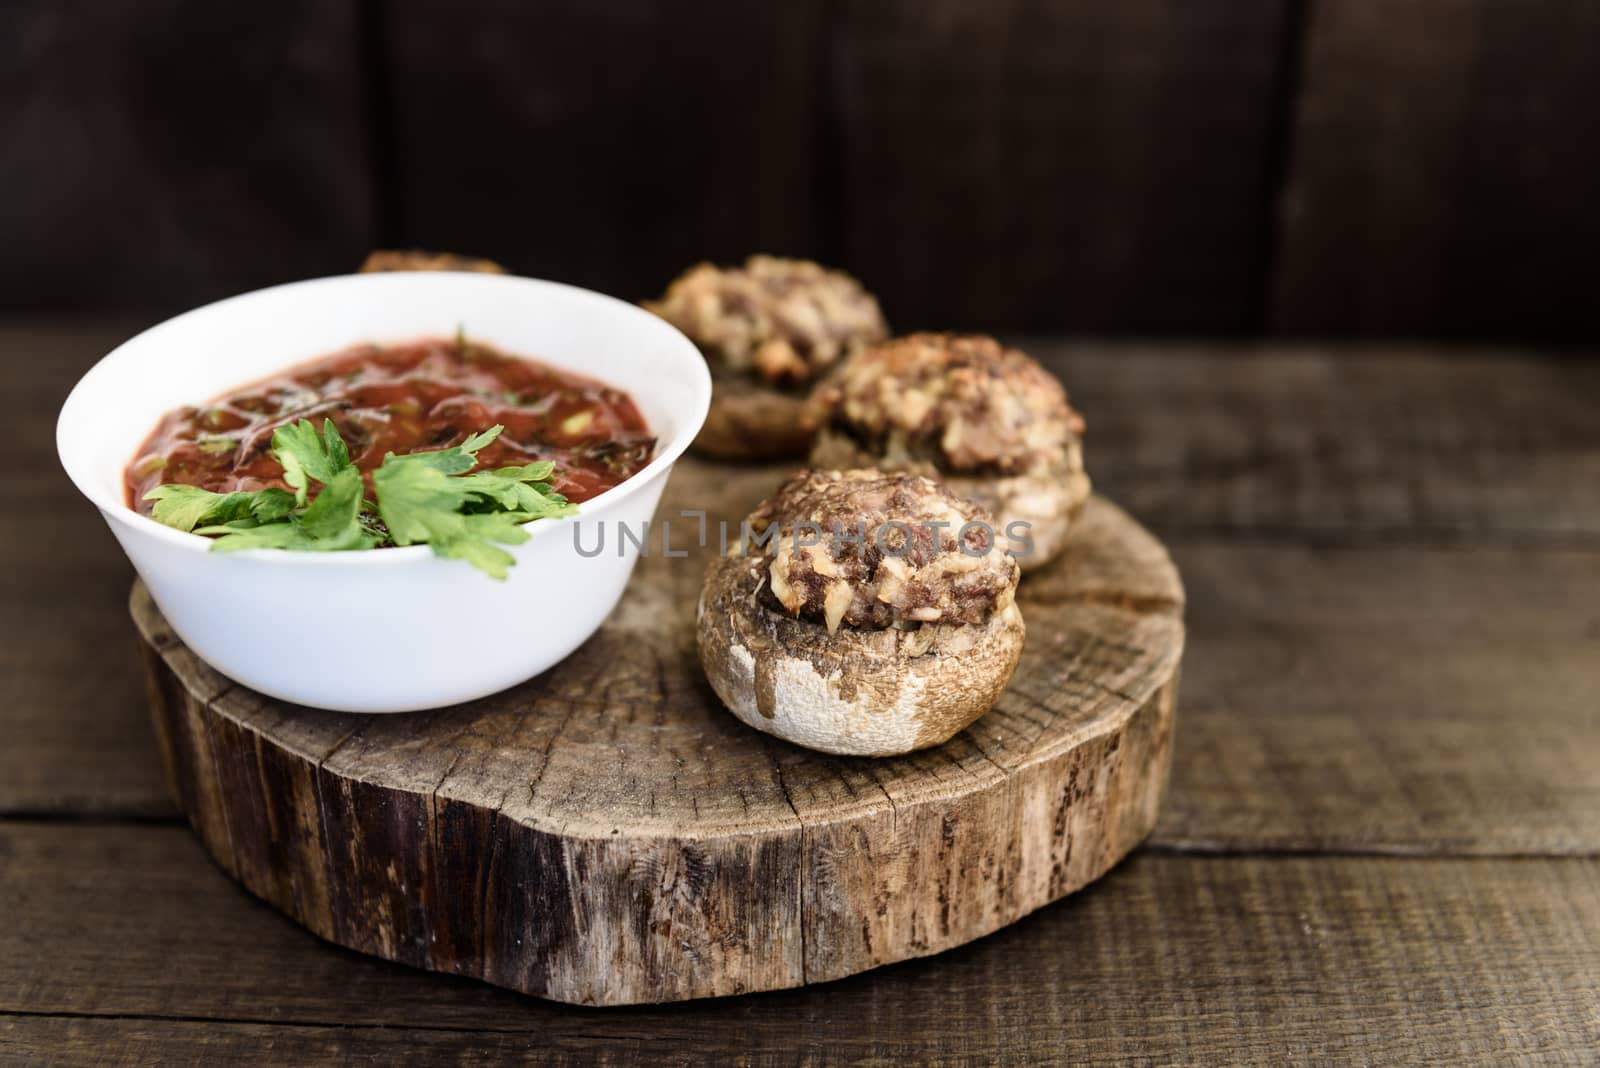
(424, 498)
(428, 394)
(401, 456)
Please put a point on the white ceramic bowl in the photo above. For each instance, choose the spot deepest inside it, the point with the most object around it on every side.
(393, 629)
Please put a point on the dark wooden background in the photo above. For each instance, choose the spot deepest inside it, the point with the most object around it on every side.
(1301, 167)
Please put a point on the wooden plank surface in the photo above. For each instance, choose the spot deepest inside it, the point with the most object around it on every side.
(72, 737)
(1069, 165)
(1442, 171)
(1391, 556)
(158, 153)
(1318, 709)
(1341, 444)
(1400, 650)
(1234, 960)
(611, 146)
(1388, 699)
(662, 850)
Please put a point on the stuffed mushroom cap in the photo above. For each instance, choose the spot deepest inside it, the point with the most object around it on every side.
(867, 613)
(779, 322)
(993, 423)
(768, 330)
(869, 549)
(383, 260)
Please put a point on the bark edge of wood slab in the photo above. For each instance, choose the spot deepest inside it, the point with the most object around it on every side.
(608, 834)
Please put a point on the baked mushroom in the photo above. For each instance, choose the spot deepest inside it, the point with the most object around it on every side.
(861, 613)
(385, 259)
(988, 420)
(769, 331)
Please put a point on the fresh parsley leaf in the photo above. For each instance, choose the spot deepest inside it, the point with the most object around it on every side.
(420, 502)
(520, 489)
(475, 442)
(332, 515)
(475, 547)
(331, 523)
(185, 507)
(537, 471)
(304, 453)
(188, 507)
(452, 461)
(290, 536)
(422, 498)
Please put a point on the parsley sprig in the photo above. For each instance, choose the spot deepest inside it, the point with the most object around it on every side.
(432, 498)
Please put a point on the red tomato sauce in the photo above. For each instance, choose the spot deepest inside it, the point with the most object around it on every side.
(428, 394)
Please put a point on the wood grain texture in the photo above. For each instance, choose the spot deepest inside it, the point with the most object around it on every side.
(73, 737)
(1402, 539)
(1055, 165)
(1354, 167)
(1341, 444)
(1391, 700)
(607, 146)
(1442, 172)
(1062, 165)
(156, 956)
(1380, 725)
(609, 834)
(159, 154)
(1338, 443)
(1450, 478)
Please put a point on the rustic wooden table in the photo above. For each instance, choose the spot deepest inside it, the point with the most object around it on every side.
(1382, 841)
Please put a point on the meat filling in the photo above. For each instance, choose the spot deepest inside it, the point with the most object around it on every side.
(872, 550)
(963, 403)
(384, 260)
(783, 321)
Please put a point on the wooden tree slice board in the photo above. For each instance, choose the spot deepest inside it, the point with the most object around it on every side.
(609, 834)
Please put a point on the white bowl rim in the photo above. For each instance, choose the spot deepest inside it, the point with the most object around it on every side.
(118, 509)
